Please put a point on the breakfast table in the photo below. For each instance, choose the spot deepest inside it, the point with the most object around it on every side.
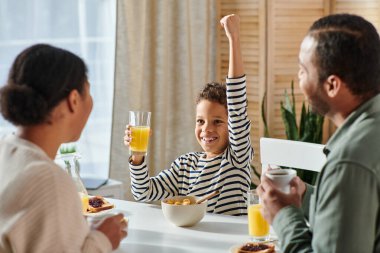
(149, 231)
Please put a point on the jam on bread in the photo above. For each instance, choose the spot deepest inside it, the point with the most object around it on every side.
(97, 204)
(256, 248)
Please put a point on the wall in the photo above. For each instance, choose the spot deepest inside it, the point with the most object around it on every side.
(271, 32)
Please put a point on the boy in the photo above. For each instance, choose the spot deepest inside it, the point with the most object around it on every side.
(222, 129)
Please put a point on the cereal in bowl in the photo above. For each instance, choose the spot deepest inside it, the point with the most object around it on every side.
(178, 202)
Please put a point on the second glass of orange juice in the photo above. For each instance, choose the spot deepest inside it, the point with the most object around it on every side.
(85, 201)
(258, 227)
(140, 130)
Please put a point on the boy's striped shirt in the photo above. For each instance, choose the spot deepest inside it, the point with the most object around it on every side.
(193, 174)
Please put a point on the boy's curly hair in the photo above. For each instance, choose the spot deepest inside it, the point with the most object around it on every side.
(214, 92)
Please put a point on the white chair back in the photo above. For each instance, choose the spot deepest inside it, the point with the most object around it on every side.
(294, 154)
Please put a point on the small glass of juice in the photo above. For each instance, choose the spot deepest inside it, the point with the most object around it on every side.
(258, 227)
(85, 201)
(140, 131)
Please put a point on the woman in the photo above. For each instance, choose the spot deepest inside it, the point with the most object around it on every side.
(47, 97)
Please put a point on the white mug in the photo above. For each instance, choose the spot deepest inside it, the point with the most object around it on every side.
(281, 178)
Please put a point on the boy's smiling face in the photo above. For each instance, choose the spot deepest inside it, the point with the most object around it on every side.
(211, 128)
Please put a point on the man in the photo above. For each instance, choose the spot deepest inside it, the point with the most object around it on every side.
(339, 74)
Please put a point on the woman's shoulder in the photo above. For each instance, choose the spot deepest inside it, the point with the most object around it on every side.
(45, 167)
(39, 185)
(45, 175)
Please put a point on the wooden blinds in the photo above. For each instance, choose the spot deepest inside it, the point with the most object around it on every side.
(271, 33)
(252, 30)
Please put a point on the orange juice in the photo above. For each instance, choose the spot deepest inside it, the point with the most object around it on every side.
(257, 225)
(140, 139)
(85, 201)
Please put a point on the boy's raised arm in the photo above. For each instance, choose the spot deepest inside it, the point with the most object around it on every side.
(231, 25)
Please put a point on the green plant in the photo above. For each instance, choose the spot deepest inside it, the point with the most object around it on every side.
(67, 149)
(310, 128)
(311, 124)
(263, 113)
(256, 173)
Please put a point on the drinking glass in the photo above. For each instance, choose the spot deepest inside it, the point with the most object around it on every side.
(258, 227)
(70, 160)
(140, 129)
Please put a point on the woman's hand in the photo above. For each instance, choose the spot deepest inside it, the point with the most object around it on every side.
(114, 228)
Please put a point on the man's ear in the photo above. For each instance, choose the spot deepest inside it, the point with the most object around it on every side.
(72, 100)
(333, 85)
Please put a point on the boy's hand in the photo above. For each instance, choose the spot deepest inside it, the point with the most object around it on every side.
(231, 25)
(135, 159)
(127, 136)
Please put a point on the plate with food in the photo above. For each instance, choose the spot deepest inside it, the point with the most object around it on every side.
(254, 247)
(98, 206)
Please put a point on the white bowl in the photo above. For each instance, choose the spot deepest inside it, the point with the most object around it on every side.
(183, 215)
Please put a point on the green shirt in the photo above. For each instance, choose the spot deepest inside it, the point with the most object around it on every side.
(343, 211)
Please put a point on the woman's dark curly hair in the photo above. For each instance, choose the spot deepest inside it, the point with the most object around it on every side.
(40, 77)
(214, 92)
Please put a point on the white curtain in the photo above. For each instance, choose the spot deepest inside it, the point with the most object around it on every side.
(165, 52)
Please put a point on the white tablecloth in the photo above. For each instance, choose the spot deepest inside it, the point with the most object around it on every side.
(148, 231)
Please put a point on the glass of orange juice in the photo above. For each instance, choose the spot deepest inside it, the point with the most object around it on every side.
(140, 129)
(258, 227)
(85, 201)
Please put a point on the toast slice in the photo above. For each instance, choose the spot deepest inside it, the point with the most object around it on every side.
(258, 247)
(98, 203)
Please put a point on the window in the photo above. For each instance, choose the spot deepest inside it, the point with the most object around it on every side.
(84, 27)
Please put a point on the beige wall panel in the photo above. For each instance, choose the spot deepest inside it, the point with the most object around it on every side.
(252, 30)
(370, 9)
(288, 22)
(271, 33)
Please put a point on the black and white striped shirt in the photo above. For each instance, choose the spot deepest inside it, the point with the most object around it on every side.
(193, 174)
